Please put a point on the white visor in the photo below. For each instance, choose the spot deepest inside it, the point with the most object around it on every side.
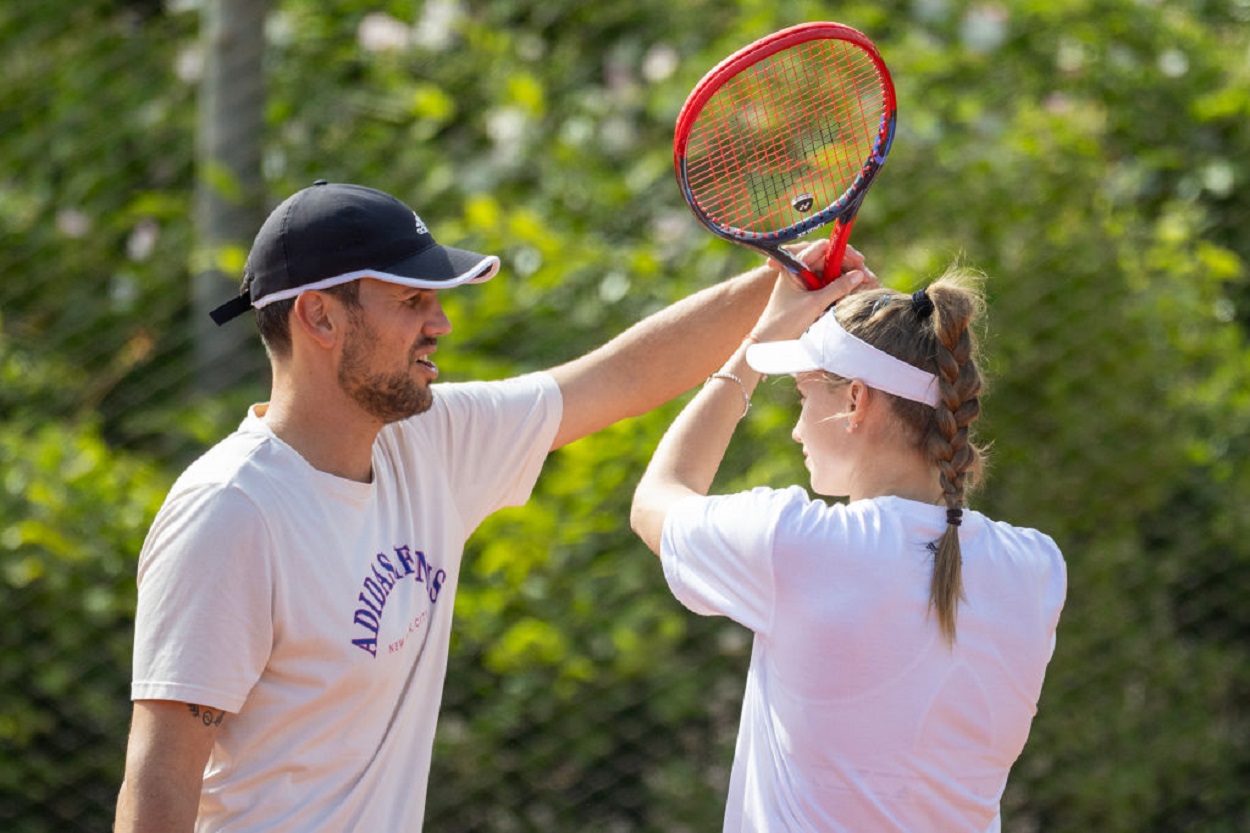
(827, 346)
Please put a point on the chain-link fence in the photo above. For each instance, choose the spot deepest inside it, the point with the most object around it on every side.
(1093, 161)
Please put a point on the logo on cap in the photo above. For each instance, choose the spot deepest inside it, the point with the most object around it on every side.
(421, 229)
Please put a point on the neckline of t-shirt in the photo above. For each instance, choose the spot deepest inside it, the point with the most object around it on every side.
(352, 489)
(926, 511)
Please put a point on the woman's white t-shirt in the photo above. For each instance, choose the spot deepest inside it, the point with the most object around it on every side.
(317, 610)
(857, 715)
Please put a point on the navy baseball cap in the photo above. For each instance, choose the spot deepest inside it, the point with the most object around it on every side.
(332, 233)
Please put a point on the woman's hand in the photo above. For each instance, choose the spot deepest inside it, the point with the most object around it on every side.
(792, 307)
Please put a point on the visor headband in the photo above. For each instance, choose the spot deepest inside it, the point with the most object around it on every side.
(839, 352)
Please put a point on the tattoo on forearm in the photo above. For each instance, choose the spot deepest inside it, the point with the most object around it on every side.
(209, 717)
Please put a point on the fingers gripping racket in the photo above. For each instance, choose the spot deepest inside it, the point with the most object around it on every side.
(785, 136)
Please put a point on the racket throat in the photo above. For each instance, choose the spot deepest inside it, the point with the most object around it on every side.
(798, 268)
(832, 268)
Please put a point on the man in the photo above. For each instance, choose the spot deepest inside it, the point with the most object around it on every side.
(296, 589)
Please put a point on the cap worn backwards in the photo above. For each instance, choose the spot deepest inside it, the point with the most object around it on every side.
(828, 346)
(332, 233)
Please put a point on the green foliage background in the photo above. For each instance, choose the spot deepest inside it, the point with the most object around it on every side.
(1091, 157)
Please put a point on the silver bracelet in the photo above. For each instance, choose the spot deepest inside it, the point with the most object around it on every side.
(746, 397)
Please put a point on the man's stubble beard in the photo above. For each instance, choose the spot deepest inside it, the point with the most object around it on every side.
(388, 397)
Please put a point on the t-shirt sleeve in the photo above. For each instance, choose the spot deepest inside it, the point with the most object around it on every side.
(718, 553)
(495, 437)
(203, 625)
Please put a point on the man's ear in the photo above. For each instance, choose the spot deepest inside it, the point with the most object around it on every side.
(317, 318)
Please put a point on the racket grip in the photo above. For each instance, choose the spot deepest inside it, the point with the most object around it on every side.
(811, 280)
(836, 251)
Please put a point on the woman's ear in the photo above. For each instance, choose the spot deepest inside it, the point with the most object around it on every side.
(857, 396)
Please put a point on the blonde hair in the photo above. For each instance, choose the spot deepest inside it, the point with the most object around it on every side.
(933, 330)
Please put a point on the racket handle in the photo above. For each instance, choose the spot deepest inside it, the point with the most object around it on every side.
(837, 250)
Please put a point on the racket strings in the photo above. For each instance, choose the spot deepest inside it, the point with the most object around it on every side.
(786, 138)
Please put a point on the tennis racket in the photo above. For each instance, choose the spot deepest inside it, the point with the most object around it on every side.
(785, 136)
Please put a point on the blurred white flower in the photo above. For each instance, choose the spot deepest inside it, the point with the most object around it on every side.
(659, 63)
(73, 222)
(436, 28)
(506, 127)
(930, 11)
(1219, 177)
(1071, 55)
(142, 239)
(985, 27)
(617, 134)
(379, 32)
(1057, 103)
(613, 287)
(123, 291)
(1173, 63)
(279, 28)
(189, 64)
(526, 261)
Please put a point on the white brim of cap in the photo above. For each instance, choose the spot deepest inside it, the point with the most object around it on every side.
(483, 270)
(779, 358)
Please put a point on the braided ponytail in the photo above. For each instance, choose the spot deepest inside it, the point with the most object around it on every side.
(948, 443)
(935, 332)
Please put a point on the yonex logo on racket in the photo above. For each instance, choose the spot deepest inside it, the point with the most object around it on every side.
(803, 203)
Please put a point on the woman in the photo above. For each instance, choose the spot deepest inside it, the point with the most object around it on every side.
(900, 638)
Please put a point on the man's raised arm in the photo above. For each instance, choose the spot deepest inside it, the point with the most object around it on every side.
(660, 357)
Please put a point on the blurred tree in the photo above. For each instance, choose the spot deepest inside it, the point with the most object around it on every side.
(230, 190)
(94, 200)
(67, 589)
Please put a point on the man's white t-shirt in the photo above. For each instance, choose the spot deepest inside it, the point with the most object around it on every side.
(857, 715)
(317, 610)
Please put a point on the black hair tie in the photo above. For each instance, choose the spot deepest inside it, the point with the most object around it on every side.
(954, 517)
(921, 303)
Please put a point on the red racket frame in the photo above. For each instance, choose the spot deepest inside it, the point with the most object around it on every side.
(842, 212)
